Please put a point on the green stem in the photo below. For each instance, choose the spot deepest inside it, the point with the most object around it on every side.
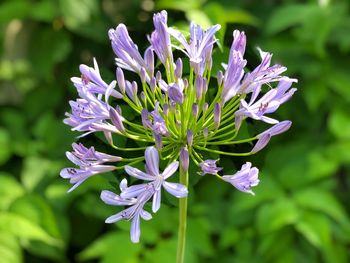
(182, 219)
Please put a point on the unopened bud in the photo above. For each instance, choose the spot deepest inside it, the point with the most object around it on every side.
(220, 77)
(178, 69)
(158, 139)
(184, 159)
(143, 74)
(158, 76)
(195, 110)
(217, 114)
(120, 80)
(116, 119)
(134, 88)
(199, 87)
(153, 84)
(165, 109)
(205, 107)
(143, 97)
(205, 132)
(189, 137)
(149, 59)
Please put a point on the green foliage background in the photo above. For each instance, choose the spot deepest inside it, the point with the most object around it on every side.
(301, 210)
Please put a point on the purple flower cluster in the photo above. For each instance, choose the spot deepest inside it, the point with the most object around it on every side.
(180, 123)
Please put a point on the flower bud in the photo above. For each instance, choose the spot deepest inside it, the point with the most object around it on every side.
(199, 87)
(153, 84)
(149, 59)
(195, 110)
(143, 97)
(184, 159)
(220, 77)
(159, 143)
(158, 76)
(205, 107)
(166, 109)
(145, 120)
(143, 74)
(134, 88)
(121, 80)
(205, 132)
(217, 114)
(178, 69)
(116, 119)
(189, 137)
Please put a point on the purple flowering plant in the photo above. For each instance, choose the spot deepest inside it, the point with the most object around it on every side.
(180, 122)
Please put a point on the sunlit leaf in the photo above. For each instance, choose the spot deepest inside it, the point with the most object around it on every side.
(275, 215)
(10, 249)
(315, 228)
(23, 228)
(10, 189)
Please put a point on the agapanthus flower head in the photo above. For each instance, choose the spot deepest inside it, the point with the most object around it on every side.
(177, 117)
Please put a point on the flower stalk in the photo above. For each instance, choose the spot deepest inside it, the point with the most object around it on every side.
(181, 243)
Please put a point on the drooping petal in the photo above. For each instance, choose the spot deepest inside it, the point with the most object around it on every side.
(135, 230)
(175, 189)
(115, 218)
(145, 215)
(156, 201)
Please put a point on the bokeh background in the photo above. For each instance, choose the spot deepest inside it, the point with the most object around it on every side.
(301, 211)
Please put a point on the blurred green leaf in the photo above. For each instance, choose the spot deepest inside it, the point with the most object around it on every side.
(14, 9)
(199, 17)
(10, 189)
(275, 215)
(37, 172)
(77, 12)
(35, 209)
(183, 5)
(315, 228)
(339, 81)
(290, 15)
(319, 200)
(198, 234)
(45, 10)
(25, 229)
(5, 146)
(45, 60)
(339, 123)
(112, 246)
(10, 249)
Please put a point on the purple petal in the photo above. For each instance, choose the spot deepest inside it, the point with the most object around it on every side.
(135, 231)
(134, 172)
(261, 143)
(156, 201)
(152, 160)
(175, 189)
(145, 215)
(134, 190)
(111, 198)
(114, 218)
(170, 169)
